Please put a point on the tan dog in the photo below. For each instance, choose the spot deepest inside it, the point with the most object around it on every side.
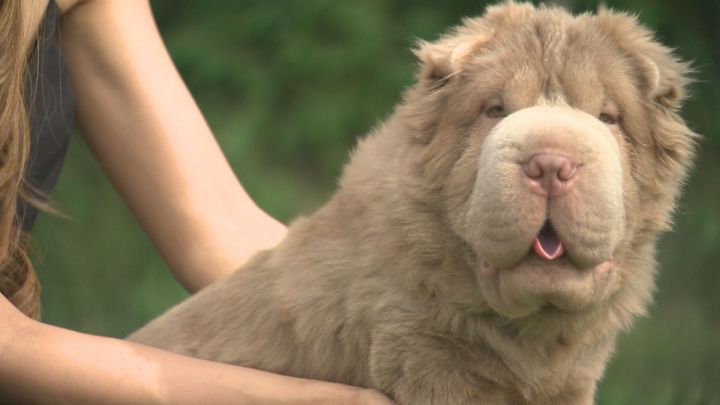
(490, 240)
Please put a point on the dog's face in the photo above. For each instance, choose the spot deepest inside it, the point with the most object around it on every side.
(559, 155)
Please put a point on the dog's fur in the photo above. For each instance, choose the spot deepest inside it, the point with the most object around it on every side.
(418, 277)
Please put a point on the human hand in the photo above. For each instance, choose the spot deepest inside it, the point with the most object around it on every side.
(371, 397)
(323, 392)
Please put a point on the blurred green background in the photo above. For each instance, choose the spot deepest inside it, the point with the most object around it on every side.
(287, 87)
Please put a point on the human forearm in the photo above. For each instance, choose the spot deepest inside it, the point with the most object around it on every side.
(45, 364)
(150, 137)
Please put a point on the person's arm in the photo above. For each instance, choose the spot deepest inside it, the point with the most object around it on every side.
(44, 364)
(149, 136)
(152, 140)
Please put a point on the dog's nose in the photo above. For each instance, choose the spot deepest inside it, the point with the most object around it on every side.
(549, 174)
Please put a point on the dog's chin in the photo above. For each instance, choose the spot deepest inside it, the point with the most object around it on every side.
(536, 284)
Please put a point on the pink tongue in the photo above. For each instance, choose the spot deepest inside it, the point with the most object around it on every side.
(548, 246)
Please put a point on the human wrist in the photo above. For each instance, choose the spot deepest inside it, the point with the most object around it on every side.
(321, 392)
(270, 388)
(217, 248)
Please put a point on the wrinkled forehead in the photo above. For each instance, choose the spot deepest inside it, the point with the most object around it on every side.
(565, 60)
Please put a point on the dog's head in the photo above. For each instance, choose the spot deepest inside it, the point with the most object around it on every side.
(554, 148)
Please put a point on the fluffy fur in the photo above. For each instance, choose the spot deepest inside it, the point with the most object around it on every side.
(418, 277)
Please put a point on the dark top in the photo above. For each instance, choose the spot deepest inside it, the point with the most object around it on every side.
(50, 107)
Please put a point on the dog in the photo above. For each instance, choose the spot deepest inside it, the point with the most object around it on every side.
(490, 240)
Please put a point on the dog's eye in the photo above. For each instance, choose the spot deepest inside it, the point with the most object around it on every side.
(608, 118)
(496, 111)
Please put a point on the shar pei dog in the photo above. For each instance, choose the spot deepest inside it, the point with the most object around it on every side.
(490, 239)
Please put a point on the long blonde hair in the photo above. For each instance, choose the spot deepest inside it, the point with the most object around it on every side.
(18, 281)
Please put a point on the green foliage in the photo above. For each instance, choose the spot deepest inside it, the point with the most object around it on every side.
(288, 86)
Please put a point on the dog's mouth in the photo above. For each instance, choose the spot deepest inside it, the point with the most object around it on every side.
(547, 243)
(546, 276)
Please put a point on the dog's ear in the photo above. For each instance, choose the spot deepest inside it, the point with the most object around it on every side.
(439, 61)
(663, 77)
(666, 78)
(444, 58)
(434, 63)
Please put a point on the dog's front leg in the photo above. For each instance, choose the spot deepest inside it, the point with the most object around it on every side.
(428, 369)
